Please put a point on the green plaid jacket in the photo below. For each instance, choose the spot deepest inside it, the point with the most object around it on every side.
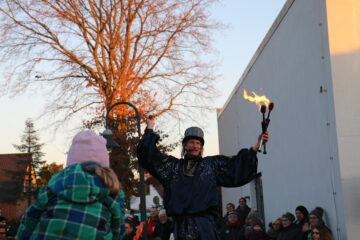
(74, 205)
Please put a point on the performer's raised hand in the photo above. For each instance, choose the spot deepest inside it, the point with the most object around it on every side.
(150, 122)
(264, 136)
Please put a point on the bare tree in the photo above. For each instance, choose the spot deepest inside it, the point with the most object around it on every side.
(95, 53)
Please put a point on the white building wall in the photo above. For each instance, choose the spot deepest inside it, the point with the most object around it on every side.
(344, 35)
(135, 201)
(292, 66)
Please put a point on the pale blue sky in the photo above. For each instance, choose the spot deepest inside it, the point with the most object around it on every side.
(248, 21)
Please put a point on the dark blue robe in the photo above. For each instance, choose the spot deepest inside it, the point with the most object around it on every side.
(192, 200)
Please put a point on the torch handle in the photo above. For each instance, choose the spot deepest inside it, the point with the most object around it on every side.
(264, 125)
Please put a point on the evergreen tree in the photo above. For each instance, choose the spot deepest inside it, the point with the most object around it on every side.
(30, 143)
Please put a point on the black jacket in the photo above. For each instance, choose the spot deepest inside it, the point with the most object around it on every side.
(163, 230)
(290, 233)
(232, 232)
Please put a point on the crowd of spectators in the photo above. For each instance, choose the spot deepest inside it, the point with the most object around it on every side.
(244, 223)
(159, 226)
(240, 223)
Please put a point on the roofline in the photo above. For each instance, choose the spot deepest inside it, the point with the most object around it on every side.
(259, 50)
(30, 153)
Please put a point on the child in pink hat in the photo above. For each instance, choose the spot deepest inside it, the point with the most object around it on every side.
(83, 201)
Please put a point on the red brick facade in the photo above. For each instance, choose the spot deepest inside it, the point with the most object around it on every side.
(15, 208)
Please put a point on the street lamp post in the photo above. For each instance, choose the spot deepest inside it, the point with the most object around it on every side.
(112, 144)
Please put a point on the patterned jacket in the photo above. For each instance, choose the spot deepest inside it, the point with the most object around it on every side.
(74, 205)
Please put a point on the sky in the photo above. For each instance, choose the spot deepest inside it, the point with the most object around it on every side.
(247, 22)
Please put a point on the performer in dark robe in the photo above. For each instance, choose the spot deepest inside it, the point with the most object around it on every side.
(190, 183)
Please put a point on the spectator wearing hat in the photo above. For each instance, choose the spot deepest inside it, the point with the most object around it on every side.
(316, 219)
(302, 220)
(191, 182)
(233, 229)
(289, 230)
(252, 216)
(257, 231)
(220, 224)
(243, 210)
(274, 229)
(302, 216)
(83, 201)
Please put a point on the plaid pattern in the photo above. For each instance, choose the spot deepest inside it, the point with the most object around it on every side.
(74, 205)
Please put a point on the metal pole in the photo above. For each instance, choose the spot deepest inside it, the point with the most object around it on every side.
(141, 170)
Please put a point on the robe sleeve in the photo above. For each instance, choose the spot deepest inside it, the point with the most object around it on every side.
(237, 170)
(150, 158)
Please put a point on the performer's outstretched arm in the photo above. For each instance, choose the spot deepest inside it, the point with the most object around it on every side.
(150, 158)
(240, 169)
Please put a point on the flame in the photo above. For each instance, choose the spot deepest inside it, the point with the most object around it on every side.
(258, 100)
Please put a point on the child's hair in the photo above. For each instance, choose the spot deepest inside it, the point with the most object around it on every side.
(109, 178)
(106, 174)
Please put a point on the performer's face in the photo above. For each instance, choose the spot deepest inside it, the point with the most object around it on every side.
(193, 147)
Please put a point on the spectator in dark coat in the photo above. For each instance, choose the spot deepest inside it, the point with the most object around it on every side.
(243, 210)
(233, 229)
(316, 219)
(274, 229)
(302, 216)
(302, 220)
(290, 231)
(164, 227)
(252, 216)
(221, 222)
(257, 231)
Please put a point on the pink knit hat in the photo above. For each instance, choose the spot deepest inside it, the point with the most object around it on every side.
(88, 146)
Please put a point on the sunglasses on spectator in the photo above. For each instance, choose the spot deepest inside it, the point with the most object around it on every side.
(317, 233)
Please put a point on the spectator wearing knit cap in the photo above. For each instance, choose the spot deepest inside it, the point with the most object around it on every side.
(233, 230)
(252, 216)
(316, 219)
(290, 231)
(83, 201)
(257, 231)
(301, 214)
(274, 229)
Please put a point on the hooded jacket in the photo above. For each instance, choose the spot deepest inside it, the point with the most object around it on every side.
(74, 205)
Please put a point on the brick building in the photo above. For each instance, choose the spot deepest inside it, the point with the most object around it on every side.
(12, 200)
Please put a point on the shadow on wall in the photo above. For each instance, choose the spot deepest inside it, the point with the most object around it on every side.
(351, 190)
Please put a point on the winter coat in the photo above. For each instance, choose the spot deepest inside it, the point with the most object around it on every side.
(255, 235)
(193, 200)
(243, 213)
(290, 233)
(272, 234)
(152, 221)
(163, 230)
(74, 205)
(232, 232)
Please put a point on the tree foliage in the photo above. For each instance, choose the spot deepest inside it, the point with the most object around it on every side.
(92, 54)
(96, 53)
(30, 143)
(46, 172)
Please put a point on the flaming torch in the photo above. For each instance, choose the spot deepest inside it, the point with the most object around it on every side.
(263, 103)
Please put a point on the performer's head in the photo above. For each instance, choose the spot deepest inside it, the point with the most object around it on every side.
(193, 142)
